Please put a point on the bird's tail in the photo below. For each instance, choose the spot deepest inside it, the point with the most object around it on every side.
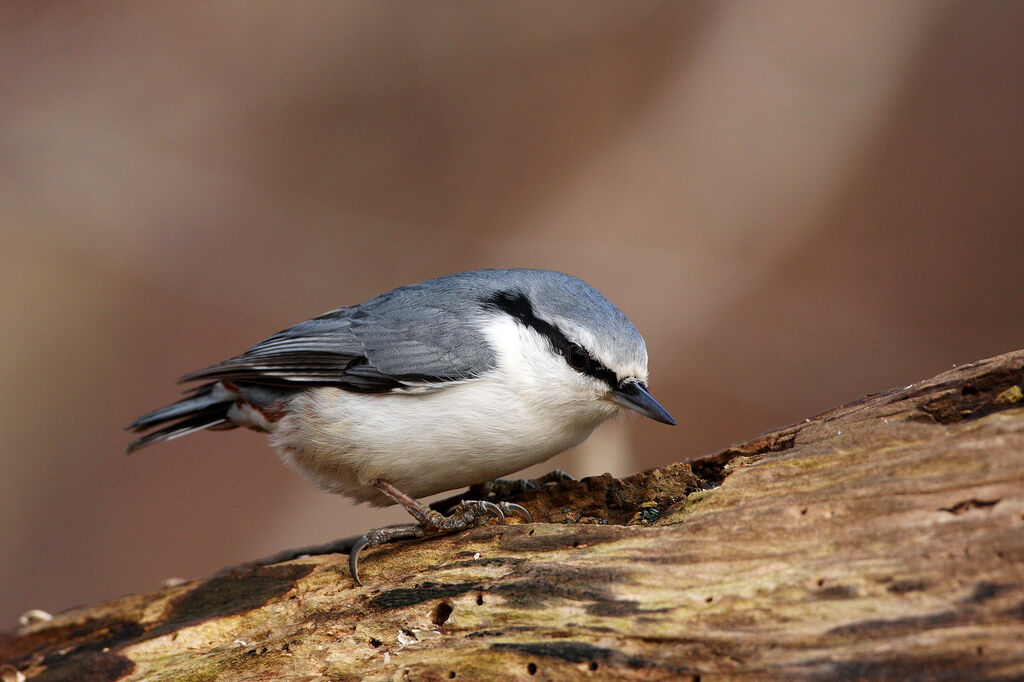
(205, 407)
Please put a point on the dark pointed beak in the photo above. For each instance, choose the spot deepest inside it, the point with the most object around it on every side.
(634, 396)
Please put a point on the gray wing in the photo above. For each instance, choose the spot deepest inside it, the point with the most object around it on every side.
(406, 337)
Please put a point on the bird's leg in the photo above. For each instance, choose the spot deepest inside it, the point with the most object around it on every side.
(467, 514)
(507, 487)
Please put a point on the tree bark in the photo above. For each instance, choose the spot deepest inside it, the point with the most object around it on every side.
(880, 540)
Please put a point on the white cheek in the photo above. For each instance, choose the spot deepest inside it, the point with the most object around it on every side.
(526, 360)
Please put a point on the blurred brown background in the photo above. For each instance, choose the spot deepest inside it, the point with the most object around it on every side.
(797, 203)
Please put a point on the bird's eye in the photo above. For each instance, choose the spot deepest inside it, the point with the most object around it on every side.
(577, 357)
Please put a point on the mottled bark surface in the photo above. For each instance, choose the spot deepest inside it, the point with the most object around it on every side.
(882, 539)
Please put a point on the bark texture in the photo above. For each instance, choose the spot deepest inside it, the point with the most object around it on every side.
(881, 540)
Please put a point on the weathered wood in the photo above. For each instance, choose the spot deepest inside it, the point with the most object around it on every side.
(882, 539)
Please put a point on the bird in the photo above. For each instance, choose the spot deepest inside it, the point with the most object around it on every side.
(443, 384)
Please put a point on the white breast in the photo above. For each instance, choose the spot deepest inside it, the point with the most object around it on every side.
(529, 408)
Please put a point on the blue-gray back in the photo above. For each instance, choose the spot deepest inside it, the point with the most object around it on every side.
(427, 332)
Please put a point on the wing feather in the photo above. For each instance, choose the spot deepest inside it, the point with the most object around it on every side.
(406, 338)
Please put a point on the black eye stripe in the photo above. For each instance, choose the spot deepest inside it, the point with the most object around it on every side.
(518, 306)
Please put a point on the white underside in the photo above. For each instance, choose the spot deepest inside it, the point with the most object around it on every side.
(531, 407)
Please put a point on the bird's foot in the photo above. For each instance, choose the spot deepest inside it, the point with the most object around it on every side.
(504, 509)
(466, 514)
(501, 488)
(509, 487)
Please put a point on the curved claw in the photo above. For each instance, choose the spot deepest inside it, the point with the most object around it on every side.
(519, 510)
(353, 558)
(494, 509)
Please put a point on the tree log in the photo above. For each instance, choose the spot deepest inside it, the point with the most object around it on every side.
(882, 539)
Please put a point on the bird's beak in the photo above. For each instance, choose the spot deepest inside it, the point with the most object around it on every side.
(634, 396)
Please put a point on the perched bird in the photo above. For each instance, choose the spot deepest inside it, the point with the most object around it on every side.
(433, 386)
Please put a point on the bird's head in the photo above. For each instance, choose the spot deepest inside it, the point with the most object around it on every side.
(571, 339)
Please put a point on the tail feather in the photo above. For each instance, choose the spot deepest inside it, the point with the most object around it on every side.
(207, 407)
